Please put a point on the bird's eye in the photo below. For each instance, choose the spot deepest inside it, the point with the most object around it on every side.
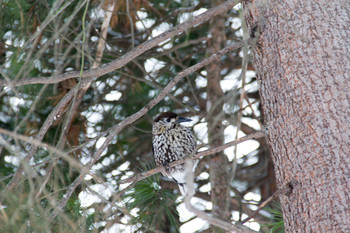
(168, 119)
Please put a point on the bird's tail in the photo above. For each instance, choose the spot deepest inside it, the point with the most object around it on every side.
(180, 178)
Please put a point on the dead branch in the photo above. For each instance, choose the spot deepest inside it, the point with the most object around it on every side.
(268, 200)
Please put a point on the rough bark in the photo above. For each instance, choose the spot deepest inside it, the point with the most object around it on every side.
(219, 169)
(302, 58)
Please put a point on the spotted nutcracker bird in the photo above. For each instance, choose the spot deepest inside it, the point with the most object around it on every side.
(171, 142)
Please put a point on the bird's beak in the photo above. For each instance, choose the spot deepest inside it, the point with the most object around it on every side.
(183, 119)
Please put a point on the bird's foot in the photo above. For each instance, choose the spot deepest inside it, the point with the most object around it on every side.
(166, 166)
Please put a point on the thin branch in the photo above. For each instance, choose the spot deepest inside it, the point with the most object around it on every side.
(39, 143)
(268, 200)
(245, 61)
(198, 155)
(123, 60)
(131, 24)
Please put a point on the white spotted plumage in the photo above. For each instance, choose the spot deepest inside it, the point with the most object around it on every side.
(171, 142)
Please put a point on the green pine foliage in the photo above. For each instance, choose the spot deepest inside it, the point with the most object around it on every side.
(21, 213)
(155, 207)
(277, 224)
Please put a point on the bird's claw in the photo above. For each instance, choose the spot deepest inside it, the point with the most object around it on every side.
(166, 166)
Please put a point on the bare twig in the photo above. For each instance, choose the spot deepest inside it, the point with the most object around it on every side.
(245, 60)
(118, 63)
(267, 201)
(39, 143)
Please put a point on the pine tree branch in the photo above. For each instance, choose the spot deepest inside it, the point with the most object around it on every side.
(283, 191)
(198, 155)
(123, 60)
(39, 143)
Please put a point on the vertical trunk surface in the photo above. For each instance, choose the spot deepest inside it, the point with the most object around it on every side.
(218, 163)
(302, 56)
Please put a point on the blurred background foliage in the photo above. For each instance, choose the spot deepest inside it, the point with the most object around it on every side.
(43, 38)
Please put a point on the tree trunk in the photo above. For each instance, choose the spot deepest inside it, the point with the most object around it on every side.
(219, 165)
(302, 57)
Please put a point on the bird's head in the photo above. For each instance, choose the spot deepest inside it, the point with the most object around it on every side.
(167, 121)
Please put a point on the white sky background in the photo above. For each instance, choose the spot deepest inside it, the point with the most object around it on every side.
(152, 64)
